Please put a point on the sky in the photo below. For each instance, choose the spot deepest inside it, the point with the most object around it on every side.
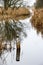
(29, 2)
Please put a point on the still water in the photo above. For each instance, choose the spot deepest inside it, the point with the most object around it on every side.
(31, 49)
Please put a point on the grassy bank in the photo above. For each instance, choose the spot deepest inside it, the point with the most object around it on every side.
(37, 20)
(16, 13)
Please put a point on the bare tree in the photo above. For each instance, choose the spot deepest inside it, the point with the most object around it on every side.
(12, 3)
(39, 4)
(6, 3)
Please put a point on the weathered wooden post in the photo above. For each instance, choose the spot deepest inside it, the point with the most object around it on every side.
(0, 47)
(18, 48)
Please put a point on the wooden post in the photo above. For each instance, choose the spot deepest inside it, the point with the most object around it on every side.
(0, 47)
(18, 51)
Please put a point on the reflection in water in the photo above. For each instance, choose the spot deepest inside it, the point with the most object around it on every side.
(11, 31)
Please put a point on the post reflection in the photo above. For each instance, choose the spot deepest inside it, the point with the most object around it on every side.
(4, 49)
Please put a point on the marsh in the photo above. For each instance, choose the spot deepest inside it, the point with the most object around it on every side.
(31, 51)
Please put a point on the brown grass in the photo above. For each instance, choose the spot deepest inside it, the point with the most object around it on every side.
(37, 20)
(20, 13)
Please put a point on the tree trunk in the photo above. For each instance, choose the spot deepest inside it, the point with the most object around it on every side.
(6, 4)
